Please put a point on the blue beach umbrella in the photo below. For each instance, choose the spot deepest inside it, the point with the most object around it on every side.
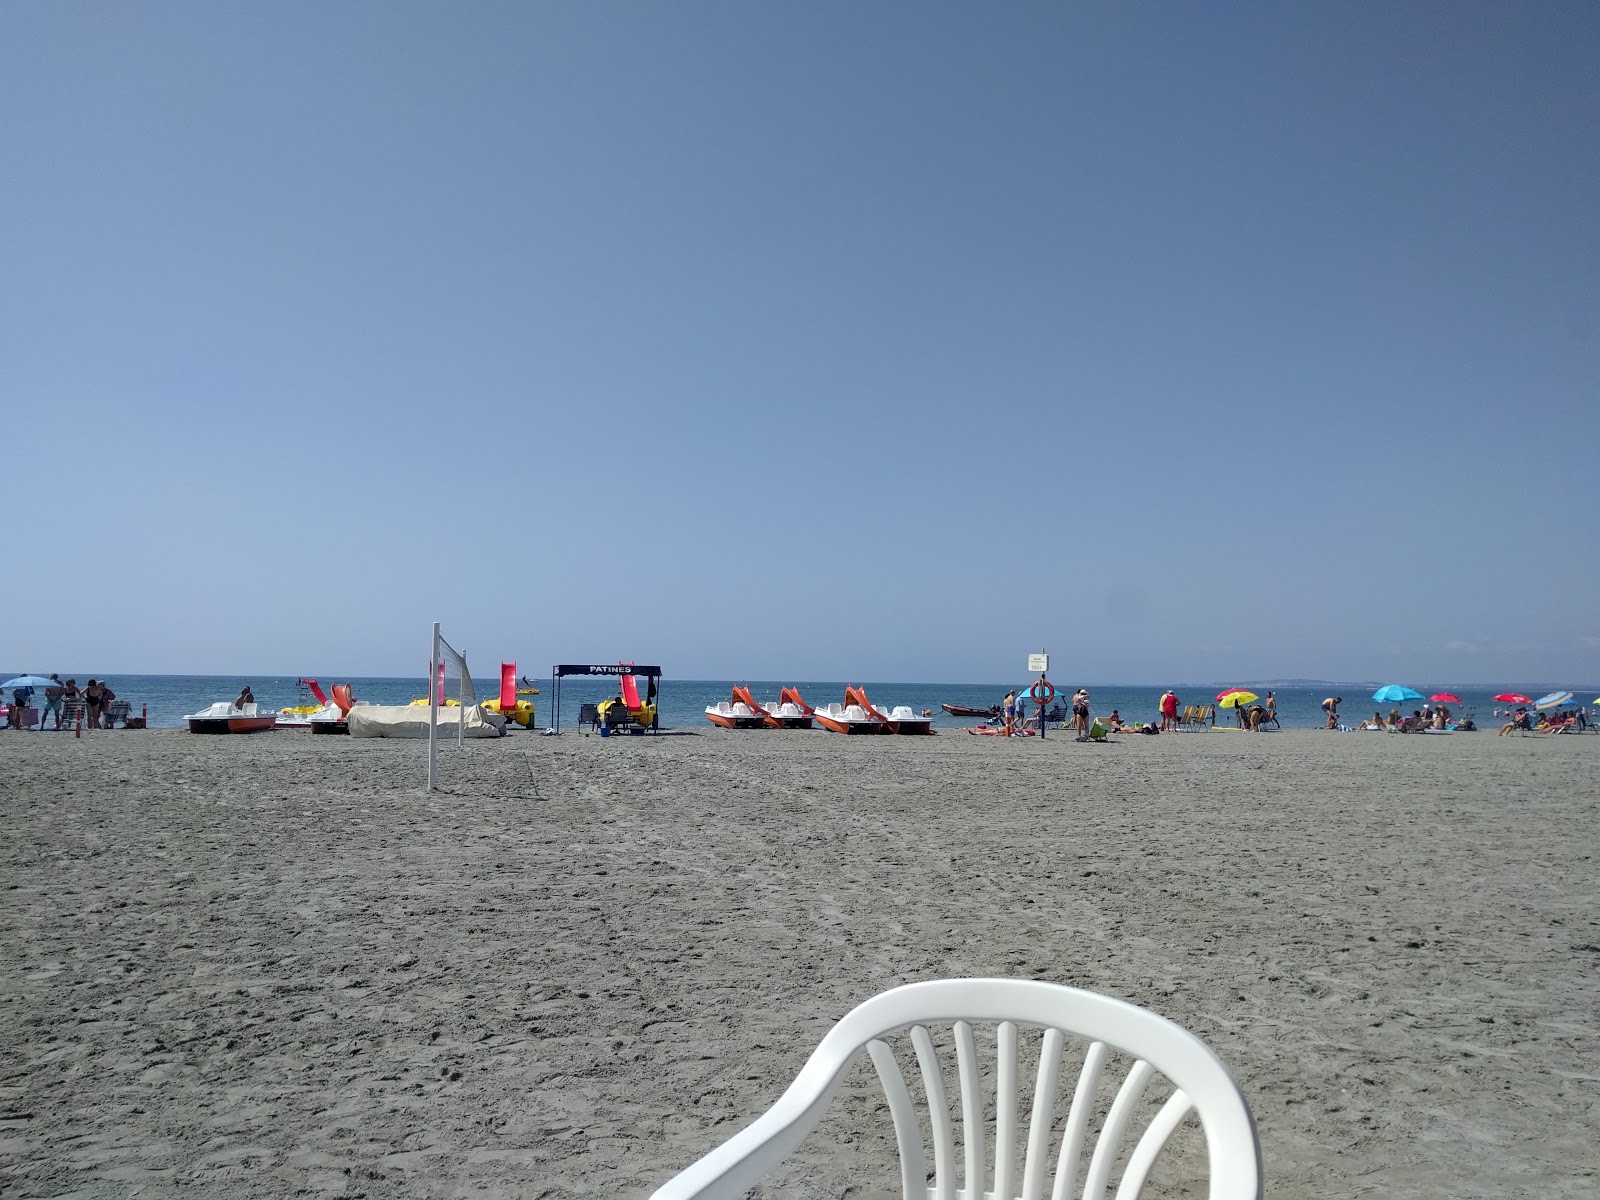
(1553, 700)
(33, 681)
(1393, 693)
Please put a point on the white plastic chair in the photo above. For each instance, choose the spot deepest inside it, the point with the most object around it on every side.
(1202, 1085)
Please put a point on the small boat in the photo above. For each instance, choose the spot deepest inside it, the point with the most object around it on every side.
(962, 710)
(739, 711)
(223, 717)
(523, 712)
(906, 721)
(857, 715)
(791, 711)
(331, 717)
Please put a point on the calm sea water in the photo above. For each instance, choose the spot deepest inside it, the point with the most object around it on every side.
(167, 698)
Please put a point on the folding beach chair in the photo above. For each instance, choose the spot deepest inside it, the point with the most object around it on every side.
(1193, 1080)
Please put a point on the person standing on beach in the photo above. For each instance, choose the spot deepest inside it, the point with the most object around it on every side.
(1080, 714)
(93, 697)
(1331, 707)
(106, 697)
(1272, 708)
(1009, 705)
(1169, 710)
(52, 699)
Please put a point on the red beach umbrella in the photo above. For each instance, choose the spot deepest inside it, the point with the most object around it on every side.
(1444, 698)
(1514, 698)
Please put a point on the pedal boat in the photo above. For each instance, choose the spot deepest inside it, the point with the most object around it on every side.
(858, 716)
(908, 722)
(791, 711)
(223, 717)
(739, 711)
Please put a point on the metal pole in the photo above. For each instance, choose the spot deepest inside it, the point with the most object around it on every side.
(461, 709)
(433, 705)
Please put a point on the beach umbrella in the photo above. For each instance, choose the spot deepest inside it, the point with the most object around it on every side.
(1234, 697)
(1444, 698)
(1393, 693)
(33, 681)
(1512, 698)
(1553, 700)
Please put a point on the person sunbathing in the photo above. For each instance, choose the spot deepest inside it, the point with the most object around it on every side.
(1520, 721)
(1375, 723)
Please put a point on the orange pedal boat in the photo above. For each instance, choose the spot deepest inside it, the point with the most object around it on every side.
(858, 715)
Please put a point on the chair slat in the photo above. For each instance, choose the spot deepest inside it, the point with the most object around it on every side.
(1149, 1147)
(1044, 1104)
(944, 1179)
(972, 1130)
(1109, 1144)
(907, 1132)
(1094, 1062)
(1005, 1108)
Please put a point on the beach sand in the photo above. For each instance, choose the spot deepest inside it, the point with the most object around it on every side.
(271, 966)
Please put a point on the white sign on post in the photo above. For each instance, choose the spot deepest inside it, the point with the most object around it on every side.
(1038, 664)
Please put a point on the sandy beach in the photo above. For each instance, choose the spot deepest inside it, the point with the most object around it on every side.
(271, 966)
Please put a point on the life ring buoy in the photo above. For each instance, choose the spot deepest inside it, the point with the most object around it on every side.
(1042, 692)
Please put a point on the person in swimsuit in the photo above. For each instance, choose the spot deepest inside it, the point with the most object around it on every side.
(1009, 704)
(245, 697)
(93, 697)
(106, 697)
(1080, 714)
(1520, 721)
(52, 699)
(1331, 707)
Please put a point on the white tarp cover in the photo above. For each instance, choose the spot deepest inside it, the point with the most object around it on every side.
(411, 721)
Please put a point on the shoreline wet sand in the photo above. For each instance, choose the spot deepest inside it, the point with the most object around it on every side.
(270, 965)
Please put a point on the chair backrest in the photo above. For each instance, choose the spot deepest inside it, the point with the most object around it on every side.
(1096, 1123)
(588, 714)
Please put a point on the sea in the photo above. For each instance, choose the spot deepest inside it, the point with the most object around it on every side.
(165, 699)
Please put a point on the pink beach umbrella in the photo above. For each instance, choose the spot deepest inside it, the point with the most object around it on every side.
(1444, 698)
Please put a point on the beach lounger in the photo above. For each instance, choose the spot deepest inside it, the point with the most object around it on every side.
(1097, 731)
(589, 714)
(1167, 1063)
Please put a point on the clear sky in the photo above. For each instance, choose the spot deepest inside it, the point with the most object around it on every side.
(874, 341)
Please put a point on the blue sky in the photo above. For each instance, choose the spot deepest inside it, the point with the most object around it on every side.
(876, 341)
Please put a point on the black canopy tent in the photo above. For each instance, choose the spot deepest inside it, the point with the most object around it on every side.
(562, 670)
